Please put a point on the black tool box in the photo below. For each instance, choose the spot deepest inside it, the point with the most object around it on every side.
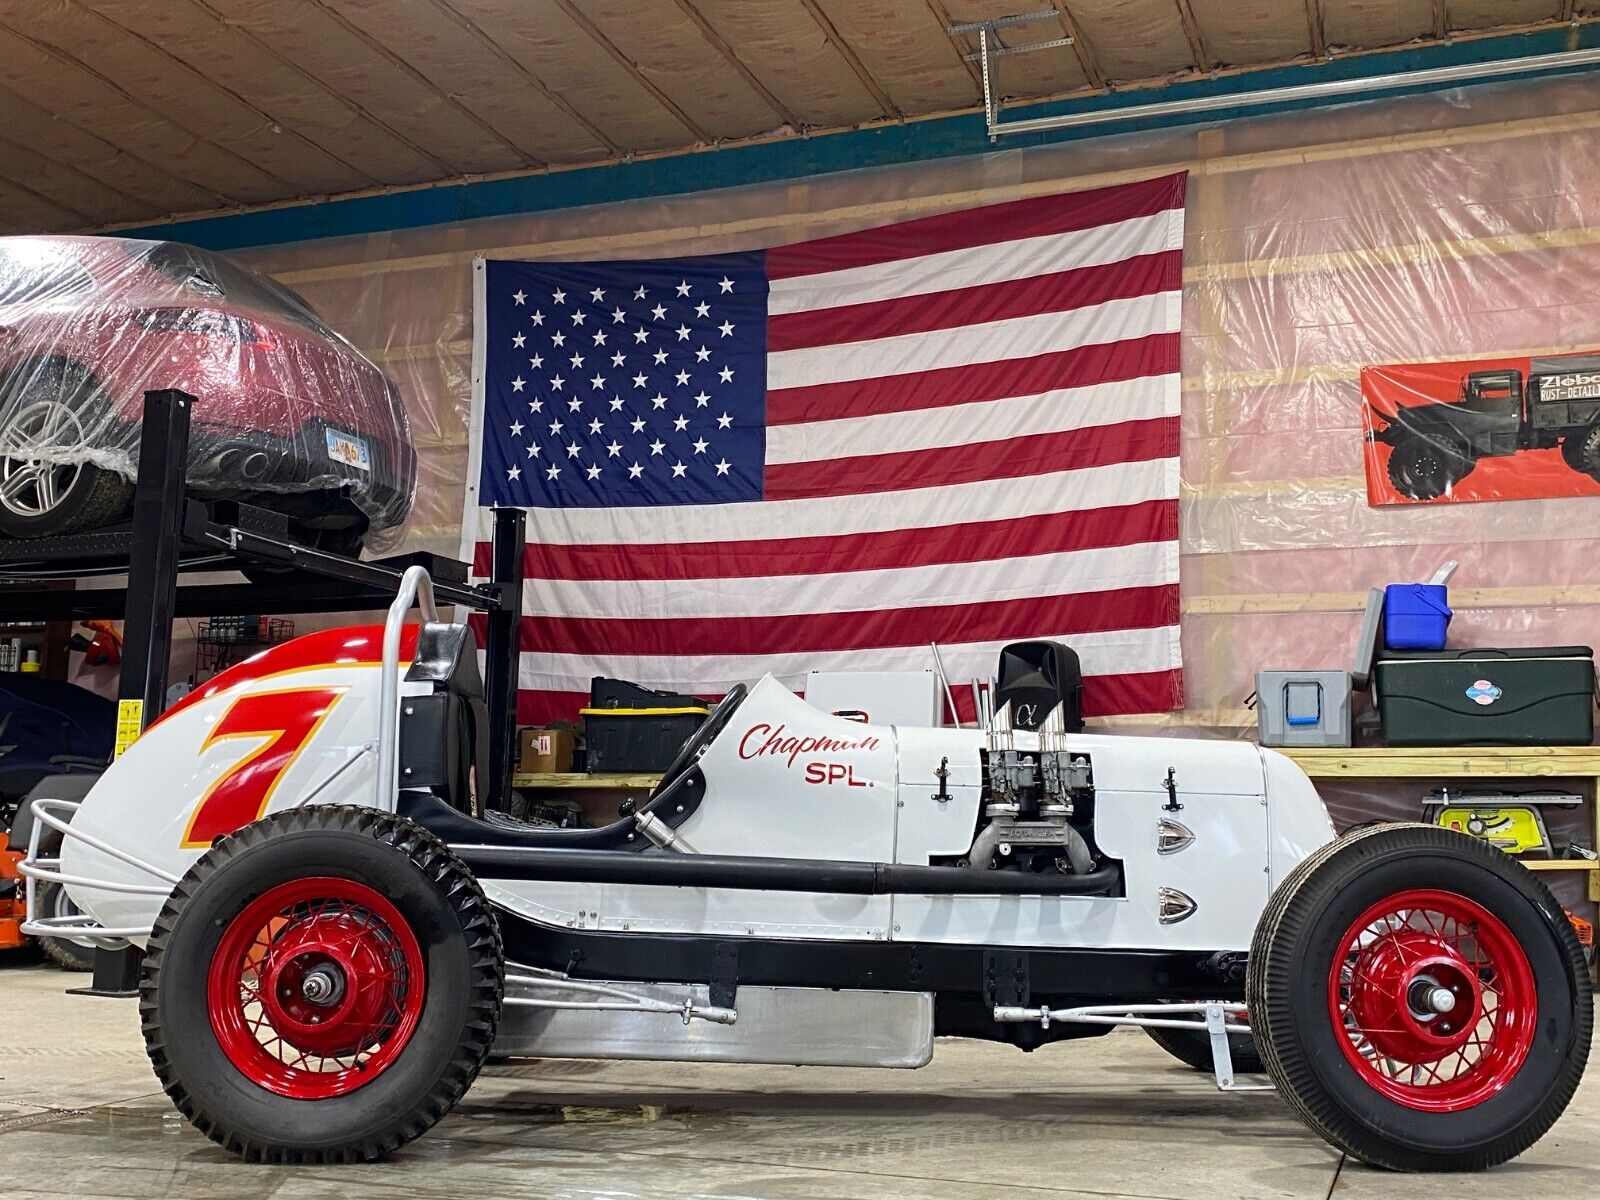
(1529, 696)
(628, 728)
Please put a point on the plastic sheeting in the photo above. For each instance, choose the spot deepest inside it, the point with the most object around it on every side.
(285, 407)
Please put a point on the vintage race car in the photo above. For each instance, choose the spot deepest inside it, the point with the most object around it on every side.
(336, 939)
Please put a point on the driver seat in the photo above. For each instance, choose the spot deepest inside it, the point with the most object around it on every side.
(444, 751)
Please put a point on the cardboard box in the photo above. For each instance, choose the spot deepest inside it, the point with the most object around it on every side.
(544, 750)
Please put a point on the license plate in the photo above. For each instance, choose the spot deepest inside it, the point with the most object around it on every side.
(349, 449)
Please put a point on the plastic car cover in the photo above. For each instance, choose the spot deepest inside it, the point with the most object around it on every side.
(286, 409)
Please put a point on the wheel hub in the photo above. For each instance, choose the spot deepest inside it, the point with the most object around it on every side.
(33, 479)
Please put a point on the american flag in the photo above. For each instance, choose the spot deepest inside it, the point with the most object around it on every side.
(824, 456)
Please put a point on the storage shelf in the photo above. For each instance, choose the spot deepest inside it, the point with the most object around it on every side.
(1559, 864)
(1500, 762)
(573, 779)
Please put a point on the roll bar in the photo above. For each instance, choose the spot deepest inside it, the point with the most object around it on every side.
(416, 586)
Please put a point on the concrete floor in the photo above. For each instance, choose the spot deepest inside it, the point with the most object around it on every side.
(80, 1115)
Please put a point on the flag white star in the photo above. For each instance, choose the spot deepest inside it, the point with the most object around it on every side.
(660, 356)
(537, 318)
(618, 316)
(638, 424)
(577, 362)
(520, 296)
(594, 472)
(573, 450)
(558, 339)
(577, 316)
(725, 284)
(618, 359)
(536, 361)
(598, 382)
(727, 328)
(683, 333)
(700, 445)
(640, 380)
(556, 427)
(641, 335)
(533, 449)
(514, 473)
(518, 384)
(659, 313)
(595, 426)
(657, 446)
(702, 309)
(700, 399)
(614, 449)
(559, 296)
(683, 378)
(678, 469)
(519, 340)
(726, 374)
(616, 404)
(724, 421)
(722, 467)
(575, 404)
(658, 400)
(683, 287)
(680, 423)
(553, 471)
(597, 295)
(536, 405)
(599, 337)
(516, 429)
(639, 295)
(702, 354)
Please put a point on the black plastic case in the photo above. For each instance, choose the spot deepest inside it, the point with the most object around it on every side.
(1529, 696)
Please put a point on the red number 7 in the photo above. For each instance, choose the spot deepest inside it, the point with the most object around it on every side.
(287, 720)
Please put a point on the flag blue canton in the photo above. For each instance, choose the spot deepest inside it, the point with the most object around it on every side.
(621, 384)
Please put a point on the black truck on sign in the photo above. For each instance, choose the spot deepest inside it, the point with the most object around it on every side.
(1435, 446)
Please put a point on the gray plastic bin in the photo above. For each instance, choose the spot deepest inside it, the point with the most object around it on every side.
(1303, 708)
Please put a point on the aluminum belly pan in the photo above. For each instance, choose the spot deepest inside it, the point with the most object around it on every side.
(811, 1027)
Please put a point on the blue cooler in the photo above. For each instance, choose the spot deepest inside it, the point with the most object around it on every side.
(1416, 616)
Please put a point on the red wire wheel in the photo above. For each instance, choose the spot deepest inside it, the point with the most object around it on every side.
(316, 987)
(1434, 1000)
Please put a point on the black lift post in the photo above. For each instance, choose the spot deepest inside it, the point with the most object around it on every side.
(172, 533)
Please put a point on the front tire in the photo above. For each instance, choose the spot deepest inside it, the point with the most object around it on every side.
(1420, 999)
(51, 414)
(322, 986)
(1192, 1047)
(1420, 470)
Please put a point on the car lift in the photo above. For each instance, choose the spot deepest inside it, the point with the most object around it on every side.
(172, 533)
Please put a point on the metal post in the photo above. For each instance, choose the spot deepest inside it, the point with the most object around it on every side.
(158, 498)
(501, 652)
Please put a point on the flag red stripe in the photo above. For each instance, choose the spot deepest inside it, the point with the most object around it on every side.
(1083, 287)
(979, 227)
(1082, 366)
(975, 541)
(1103, 696)
(945, 466)
(1000, 620)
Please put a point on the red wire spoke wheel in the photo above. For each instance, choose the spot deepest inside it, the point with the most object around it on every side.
(1396, 982)
(1435, 998)
(316, 987)
(322, 986)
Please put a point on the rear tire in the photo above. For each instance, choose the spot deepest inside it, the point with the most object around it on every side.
(411, 977)
(1583, 452)
(1421, 470)
(51, 899)
(1192, 1047)
(54, 405)
(1420, 999)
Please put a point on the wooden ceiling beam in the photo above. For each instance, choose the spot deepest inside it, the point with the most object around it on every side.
(1319, 41)
(266, 48)
(942, 15)
(720, 45)
(422, 81)
(890, 108)
(475, 31)
(1080, 46)
(1191, 30)
(632, 68)
(1441, 20)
